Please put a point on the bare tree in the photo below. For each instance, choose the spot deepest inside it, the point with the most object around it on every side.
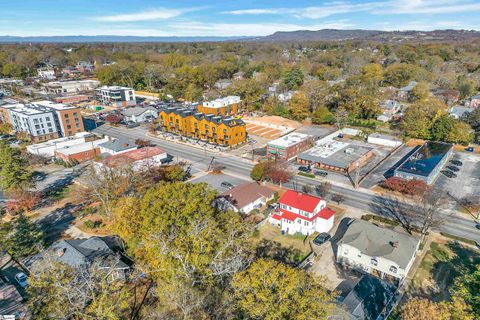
(107, 184)
(338, 198)
(306, 188)
(419, 212)
(323, 189)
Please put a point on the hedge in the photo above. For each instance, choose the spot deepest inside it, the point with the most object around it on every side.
(451, 236)
(368, 217)
(308, 175)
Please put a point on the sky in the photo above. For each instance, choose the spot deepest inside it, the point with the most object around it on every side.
(229, 18)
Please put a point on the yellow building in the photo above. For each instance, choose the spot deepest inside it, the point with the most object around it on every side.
(206, 127)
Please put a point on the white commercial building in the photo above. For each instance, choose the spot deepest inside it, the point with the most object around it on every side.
(384, 140)
(71, 87)
(48, 74)
(47, 149)
(116, 96)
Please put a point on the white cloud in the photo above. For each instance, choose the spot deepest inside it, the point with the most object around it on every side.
(154, 14)
(375, 7)
(248, 29)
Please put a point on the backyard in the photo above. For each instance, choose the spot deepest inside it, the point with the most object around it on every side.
(443, 262)
(290, 249)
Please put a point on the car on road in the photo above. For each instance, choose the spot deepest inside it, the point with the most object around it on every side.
(458, 163)
(469, 149)
(227, 185)
(453, 168)
(321, 173)
(321, 238)
(449, 174)
(304, 169)
(131, 125)
(21, 279)
(477, 225)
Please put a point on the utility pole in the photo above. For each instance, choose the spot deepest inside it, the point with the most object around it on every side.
(357, 174)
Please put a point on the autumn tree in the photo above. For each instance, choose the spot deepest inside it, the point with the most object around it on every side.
(448, 129)
(322, 115)
(420, 309)
(420, 116)
(59, 291)
(420, 92)
(299, 106)
(466, 289)
(271, 290)
(21, 201)
(177, 232)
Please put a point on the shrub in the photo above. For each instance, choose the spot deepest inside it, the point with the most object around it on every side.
(305, 174)
(410, 187)
(92, 224)
(368, 217)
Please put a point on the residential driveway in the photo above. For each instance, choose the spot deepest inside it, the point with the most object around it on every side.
(325, 265)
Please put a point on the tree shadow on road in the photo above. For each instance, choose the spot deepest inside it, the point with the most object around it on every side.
(57, 222)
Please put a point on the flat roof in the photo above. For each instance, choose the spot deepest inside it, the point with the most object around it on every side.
(383, 136)
(426, 158)
(222, 102)
(53, 105)
(336, 154)
(289, 140)
(69, 150)
(50, 143)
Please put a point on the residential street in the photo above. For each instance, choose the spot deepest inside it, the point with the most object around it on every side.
(362, 199)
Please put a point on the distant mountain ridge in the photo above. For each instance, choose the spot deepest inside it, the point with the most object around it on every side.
(299, 35)
(372, 35)
(109, 38)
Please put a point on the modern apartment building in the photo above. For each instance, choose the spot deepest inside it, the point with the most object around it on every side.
(44, 120)
(71, 87)
(206, 127)
(225, 106)
(38, 123)
(116, 96)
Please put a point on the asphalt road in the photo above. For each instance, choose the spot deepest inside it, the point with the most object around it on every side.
(362, 199)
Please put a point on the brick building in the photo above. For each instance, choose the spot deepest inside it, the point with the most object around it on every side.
(289, 146)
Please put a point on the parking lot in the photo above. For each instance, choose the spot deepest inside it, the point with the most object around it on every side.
(385, 170)
(467, 181)
(215, 181)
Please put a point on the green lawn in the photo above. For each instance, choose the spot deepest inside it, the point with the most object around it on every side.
(441, 265)
(290, 249)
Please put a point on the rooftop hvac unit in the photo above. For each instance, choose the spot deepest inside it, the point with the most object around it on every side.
(349, 150)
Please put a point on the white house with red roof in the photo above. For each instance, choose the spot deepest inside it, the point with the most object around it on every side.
(303, 213)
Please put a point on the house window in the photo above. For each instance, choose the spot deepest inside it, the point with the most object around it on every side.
(374, 261)
(393, 269)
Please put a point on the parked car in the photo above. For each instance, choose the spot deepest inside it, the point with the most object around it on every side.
(21, 279)
(449, 174)
(456, 162)
(227, 185)
(469, 149)
(38, 176)
(132, 125)
(321, 173)
(304, 169)
(453, 168)
(273, 206)
(321, 238)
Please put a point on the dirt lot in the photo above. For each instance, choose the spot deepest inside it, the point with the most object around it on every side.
(270, 127)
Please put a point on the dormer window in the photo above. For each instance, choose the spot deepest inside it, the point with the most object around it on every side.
(374, 261)
(393, 269)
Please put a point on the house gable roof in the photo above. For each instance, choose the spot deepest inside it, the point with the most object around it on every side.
(381, 242)
(298, 200)
(246, 193)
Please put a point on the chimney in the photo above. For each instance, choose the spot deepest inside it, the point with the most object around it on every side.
(125, 144)
(394, 244)
(61, 251)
